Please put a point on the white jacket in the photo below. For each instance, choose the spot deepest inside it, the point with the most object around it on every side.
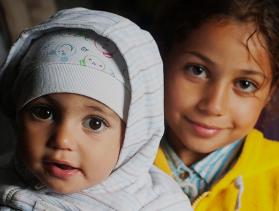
(135, 184)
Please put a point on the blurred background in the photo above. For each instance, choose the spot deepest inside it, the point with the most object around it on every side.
(16, 15)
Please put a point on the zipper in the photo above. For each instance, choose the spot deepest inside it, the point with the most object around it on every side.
(197, 200)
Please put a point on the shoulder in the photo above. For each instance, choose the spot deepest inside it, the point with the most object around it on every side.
(14, 197)
(4, 208)
(260, 152)
(169, 194)
(261, 145)
(161, 162)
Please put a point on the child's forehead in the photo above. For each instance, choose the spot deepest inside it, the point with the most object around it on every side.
(220, 39)
(216, 27)
(75, 62)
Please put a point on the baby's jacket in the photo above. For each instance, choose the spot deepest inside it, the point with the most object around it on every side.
(135, 184)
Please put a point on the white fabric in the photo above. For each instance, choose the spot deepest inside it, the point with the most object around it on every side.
(75, 62)
(135, 184)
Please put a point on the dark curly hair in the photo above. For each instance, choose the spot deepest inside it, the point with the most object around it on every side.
(177, 18)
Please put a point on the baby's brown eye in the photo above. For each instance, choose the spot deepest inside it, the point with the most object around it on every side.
(42, 112)
(96, 124)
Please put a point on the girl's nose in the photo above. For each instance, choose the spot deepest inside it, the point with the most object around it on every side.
(63, 137)
(214, 100)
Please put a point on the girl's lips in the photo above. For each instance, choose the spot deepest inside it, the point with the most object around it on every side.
(60, 169)
(203, 130)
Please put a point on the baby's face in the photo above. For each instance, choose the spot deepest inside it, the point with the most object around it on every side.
(69, 142)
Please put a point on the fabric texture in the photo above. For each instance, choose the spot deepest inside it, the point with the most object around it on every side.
(135, 184)
(197, 178)
(58, 62)
(251, 184)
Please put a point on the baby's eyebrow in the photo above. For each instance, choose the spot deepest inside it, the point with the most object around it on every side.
(105, 111)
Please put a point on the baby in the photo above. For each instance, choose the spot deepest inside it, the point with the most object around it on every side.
(85, 93)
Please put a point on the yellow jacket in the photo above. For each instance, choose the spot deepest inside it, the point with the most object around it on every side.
(251, 185)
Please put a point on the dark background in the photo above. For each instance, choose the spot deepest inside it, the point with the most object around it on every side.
(15, 15)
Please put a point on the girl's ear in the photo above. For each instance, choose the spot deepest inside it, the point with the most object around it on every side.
(273, 91)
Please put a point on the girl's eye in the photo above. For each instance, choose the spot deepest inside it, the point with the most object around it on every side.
(246, 86)
(197, 71)
(42, 112)
(96, 124)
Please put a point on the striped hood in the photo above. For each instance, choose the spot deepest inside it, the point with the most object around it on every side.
(134, 183)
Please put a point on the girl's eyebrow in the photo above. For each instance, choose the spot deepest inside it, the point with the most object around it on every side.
(208, 60)
(202, 57)
(254, 72)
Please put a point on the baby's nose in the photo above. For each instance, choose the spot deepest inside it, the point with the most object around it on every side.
(63, 137)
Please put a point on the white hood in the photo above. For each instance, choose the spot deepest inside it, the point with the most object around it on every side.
(135, 182)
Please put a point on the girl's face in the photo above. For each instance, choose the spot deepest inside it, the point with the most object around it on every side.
(69, 142)
(215, 87)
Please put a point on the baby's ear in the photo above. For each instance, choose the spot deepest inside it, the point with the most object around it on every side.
(15, 121)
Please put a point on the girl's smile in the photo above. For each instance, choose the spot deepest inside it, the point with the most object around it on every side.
(216, 84)
(203, 130)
